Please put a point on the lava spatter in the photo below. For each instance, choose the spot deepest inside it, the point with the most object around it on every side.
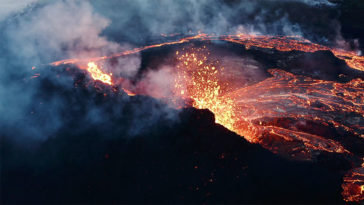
(197, 79)
(277, 112)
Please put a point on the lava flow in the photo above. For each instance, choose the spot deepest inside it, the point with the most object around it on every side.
(248, 111)
(278, 112)
(98, 74)
(281, 43)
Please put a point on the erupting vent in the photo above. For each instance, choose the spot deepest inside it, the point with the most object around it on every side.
(197, 79)
(274, 112)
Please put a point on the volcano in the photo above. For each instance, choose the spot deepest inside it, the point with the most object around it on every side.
(201, 118)
(296, 118)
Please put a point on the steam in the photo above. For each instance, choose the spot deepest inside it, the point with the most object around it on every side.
(60, 30)
(158, 83)
(125, 66)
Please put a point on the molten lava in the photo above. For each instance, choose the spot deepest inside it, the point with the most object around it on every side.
(281, 43)
(252, 111)
(249, 111)
(353, 186)
(197, 79)
(277, 112)
(98, 74)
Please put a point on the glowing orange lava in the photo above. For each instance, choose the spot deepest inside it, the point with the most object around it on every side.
(128, 92)
(275, 111)
(197, 79)
(98, 74)
(353, 186)
(281, 43)
(252, 111)
(248, 110)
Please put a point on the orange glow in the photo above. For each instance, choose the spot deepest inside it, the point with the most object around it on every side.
(247, 111)
(252, 111)
(284, 95)
(353, 186)
(98, 74)
(197, 79)
(128, 92)
(281, 43)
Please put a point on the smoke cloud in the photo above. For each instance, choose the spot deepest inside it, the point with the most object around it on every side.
(42, 34)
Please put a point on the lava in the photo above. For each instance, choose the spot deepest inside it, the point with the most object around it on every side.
(277, 112)
(291, 43)
(248, 111)
(252, 111)
(128, 92)
(353, 186)
(98, 74)
(281, 43)
(197, 79)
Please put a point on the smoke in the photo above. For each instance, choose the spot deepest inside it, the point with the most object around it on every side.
(142, 20)
(12, 7)
(60, 30)
(62, 103)
(44, 33)
(158, 83)
(35, 33)
(317, 3)
(124, 66)
(241, 71)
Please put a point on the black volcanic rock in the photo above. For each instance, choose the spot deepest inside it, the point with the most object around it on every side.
(189, 160)
(193, 161)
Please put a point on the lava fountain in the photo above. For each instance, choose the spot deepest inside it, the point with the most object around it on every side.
(296, 101)
(279, 112)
